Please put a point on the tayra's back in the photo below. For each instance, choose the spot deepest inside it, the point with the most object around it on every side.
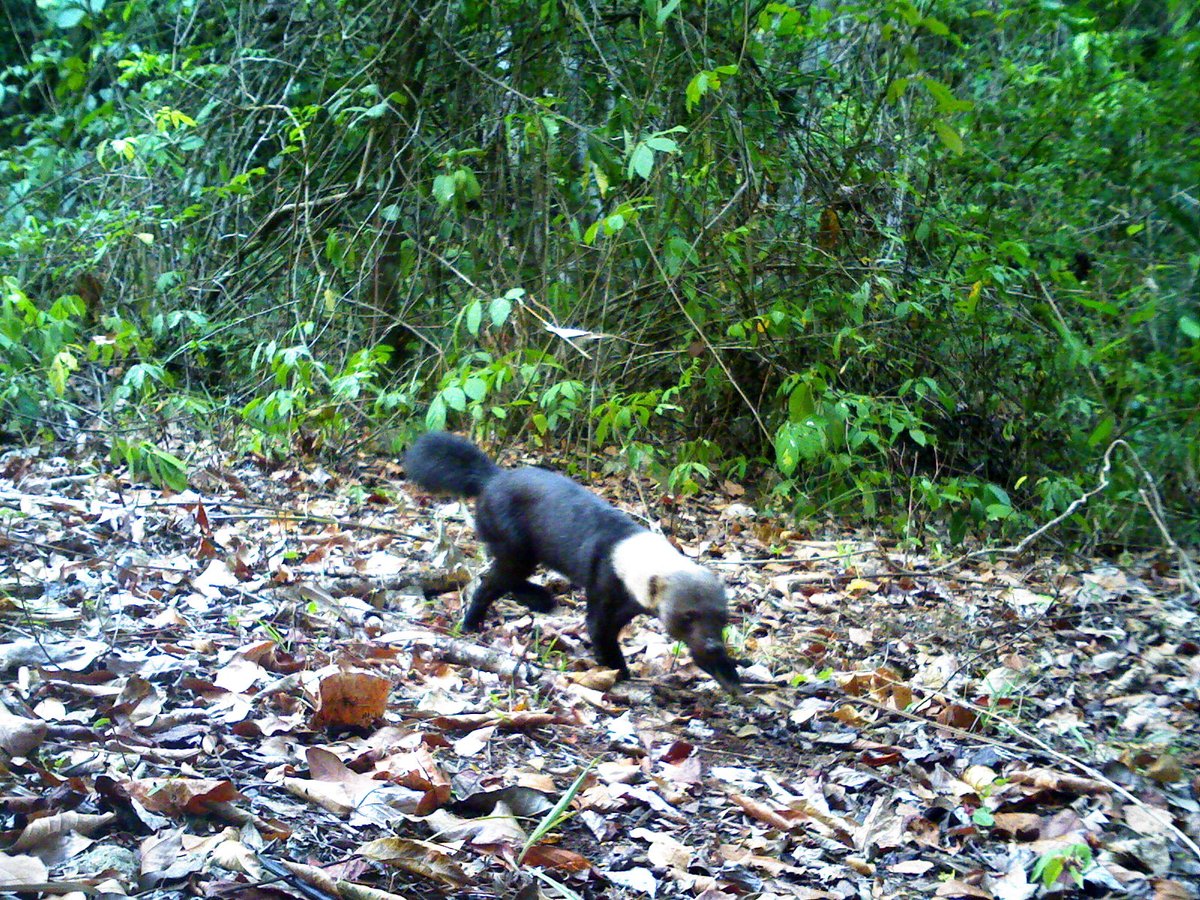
(544, 516)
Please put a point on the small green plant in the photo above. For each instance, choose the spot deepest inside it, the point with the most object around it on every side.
(148, 462)
(273, 634)
(983, 817)
(557, 815)
(547, 653)
(309, 392)
(1072, 861)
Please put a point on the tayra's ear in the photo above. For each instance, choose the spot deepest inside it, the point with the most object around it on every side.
(654, 589)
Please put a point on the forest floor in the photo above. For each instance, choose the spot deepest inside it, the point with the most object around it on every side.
(255, 689)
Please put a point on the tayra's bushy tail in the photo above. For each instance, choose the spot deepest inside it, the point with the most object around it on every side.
(446, 463)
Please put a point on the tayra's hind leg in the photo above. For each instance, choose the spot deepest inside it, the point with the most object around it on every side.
(534, 596)
(500, 579)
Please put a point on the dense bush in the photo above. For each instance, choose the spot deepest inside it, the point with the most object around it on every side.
(922, 264)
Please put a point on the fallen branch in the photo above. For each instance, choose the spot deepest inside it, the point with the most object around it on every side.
(467, 653)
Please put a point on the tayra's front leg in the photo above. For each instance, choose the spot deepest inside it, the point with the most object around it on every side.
(605, 619)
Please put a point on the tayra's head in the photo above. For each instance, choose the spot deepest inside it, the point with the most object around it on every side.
(691, 606)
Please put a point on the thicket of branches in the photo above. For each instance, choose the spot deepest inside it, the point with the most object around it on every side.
(914, 261)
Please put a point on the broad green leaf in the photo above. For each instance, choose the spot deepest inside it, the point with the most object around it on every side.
(935, 26)
(455, 397)
(983, 817)
(1190, 326)
(641, 162)
(499, 311)
(997, 511)
(467, 184)
(435, 416)
(948, 136)
(475, 388)
(799, 441)
(443, 189)
(1017, 250)
(896, 89)
(69, 17)
(1101, 432)
(474, 317)
(696, 89)
(800, 403)
(946, 101)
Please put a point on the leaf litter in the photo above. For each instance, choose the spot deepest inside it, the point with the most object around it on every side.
(210, 695)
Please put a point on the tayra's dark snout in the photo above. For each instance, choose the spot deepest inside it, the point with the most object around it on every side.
(713, 659)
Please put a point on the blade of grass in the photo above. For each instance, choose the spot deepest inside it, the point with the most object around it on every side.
(555, 816)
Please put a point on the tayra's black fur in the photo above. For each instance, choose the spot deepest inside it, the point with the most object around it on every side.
(532, 516)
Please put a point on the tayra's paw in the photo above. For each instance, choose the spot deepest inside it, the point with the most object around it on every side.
(471, 623)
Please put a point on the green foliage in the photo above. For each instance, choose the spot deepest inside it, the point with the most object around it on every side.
(39, 349)
(1072, 861)
(310, 395)
(145, 461)
(832, 248)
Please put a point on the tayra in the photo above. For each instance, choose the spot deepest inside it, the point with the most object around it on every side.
(532, 516)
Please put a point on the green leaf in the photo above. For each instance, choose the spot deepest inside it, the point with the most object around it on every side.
(664, 12)
(499, 311)
(896, 89)
(1102, 430)
(474, 317)
(997, 511)
(1190, 326)
(800, 403)
(475, 388)
(641, 162)
(455, 397)
(443, 189)
(69, 17)
(1109, 309)
(946, 101)
(435, 416)
(798, 441)
(948, 136)
(467, 184)
(935, 26)
(696, 89)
